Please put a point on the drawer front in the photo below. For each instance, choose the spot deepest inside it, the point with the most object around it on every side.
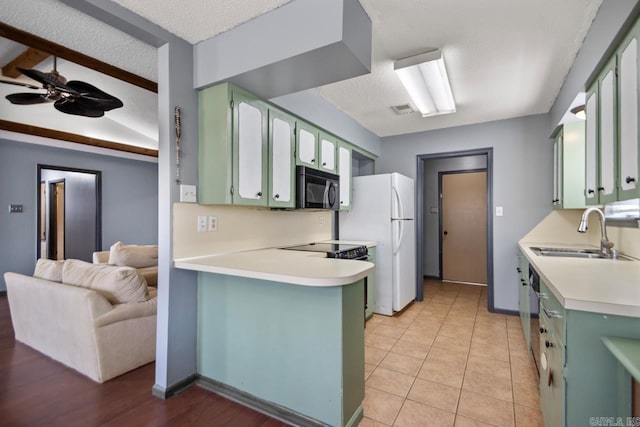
(551, 312)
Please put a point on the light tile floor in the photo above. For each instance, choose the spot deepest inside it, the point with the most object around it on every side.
(447, 361)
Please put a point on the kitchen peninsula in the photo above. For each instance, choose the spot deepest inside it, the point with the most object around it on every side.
(281, 331)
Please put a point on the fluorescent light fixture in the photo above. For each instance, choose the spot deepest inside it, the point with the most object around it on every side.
(425, 79)
(579, 112)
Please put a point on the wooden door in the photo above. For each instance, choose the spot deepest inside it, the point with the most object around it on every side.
(56, 221)
(464, 227)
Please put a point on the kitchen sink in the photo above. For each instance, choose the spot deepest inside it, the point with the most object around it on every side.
(576, 253)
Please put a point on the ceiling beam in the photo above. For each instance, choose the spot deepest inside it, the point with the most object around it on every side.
(60, 51)
(27, 59)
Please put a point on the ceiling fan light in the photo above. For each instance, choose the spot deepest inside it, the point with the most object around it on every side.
(425, 78)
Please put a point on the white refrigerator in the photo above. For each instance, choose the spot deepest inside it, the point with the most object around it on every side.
(383, 211)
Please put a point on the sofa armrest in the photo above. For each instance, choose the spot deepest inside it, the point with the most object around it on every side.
(126, 311)
(101, 257)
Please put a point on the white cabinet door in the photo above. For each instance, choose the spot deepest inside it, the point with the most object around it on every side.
(250, 146)
(344, 167)
(591, 142)
(327, 154)
(557, 170)
(608, 135)
(282, 142)
(307, 145)
(628, 117)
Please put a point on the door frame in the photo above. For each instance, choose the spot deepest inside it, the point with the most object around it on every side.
(420, 159)
(98, 219)
(440, 175)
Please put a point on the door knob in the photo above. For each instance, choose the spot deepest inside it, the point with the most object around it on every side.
(600, 188)
(629, 180)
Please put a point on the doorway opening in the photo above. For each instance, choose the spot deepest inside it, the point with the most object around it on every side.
(475, 166)
(70, 223)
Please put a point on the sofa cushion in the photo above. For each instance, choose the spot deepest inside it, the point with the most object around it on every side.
(137, 256)
(118, 284)
(49, 269)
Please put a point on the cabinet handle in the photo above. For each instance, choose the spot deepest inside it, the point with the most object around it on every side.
(590, 191)
(259, 194)
(555, 200)
(548, 344)
(524, 282)
(324, 163)
(543, 331)
(600, 188)
(341, 202)
(629, 180)
(518, 269)
(552, 313)
(277, 196)
(313, 160)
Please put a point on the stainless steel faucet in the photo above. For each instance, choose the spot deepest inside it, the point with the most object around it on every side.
(605, 244)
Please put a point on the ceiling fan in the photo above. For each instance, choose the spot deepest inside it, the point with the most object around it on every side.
(71, 97)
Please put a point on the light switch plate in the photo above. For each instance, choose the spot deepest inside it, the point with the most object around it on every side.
(188, 193)
(499, 211)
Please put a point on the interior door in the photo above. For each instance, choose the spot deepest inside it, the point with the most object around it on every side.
(464, 227)
(56, 221)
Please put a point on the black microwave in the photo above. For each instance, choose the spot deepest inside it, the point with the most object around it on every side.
(316, 189)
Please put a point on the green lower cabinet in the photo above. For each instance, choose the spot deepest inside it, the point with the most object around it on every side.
(524, 299)
(584, 373)
(294, 349)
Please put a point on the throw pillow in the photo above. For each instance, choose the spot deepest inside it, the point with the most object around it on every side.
(49, 269)
(137, 256)
(118, 284)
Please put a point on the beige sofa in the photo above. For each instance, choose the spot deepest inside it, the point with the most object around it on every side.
(143, 258)
(85, 323)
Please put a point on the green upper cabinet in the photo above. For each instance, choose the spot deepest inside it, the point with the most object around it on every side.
(607, 150)
(282, 143)
(627, 95)
(612, 134)
(327, 153)
(344, 171)
(569, 166)
(591, 145)
(250, 150)
(307, 144)
(233, 147)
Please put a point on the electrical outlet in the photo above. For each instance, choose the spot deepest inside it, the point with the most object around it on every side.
(499, 211)
(202, 223)
(188, 193)
(15, 208)
(213, 223)
(321, 219)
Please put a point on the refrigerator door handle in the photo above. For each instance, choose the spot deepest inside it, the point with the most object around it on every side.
(397, 241)
(399, 202)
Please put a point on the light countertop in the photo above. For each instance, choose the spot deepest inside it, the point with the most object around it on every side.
(295, 267)
(605, 286)
(352, 242)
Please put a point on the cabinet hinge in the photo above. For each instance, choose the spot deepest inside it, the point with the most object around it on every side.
(231, 190)
(231, 104)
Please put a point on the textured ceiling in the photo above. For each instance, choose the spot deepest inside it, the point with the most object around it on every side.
(62, 24)
(197, 20)
(504, 58)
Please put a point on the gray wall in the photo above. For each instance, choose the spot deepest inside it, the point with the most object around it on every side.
(522, 180)
(129, 199)
(431, 223)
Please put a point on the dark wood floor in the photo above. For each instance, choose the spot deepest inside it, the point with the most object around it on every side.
(37, 391)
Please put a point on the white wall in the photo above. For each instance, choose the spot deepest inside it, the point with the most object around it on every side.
(522, 181)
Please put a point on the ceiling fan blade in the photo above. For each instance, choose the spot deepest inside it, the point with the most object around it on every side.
(87, 91)
(13, 82)
(27, 98)
(78, 107)
(51, 79)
